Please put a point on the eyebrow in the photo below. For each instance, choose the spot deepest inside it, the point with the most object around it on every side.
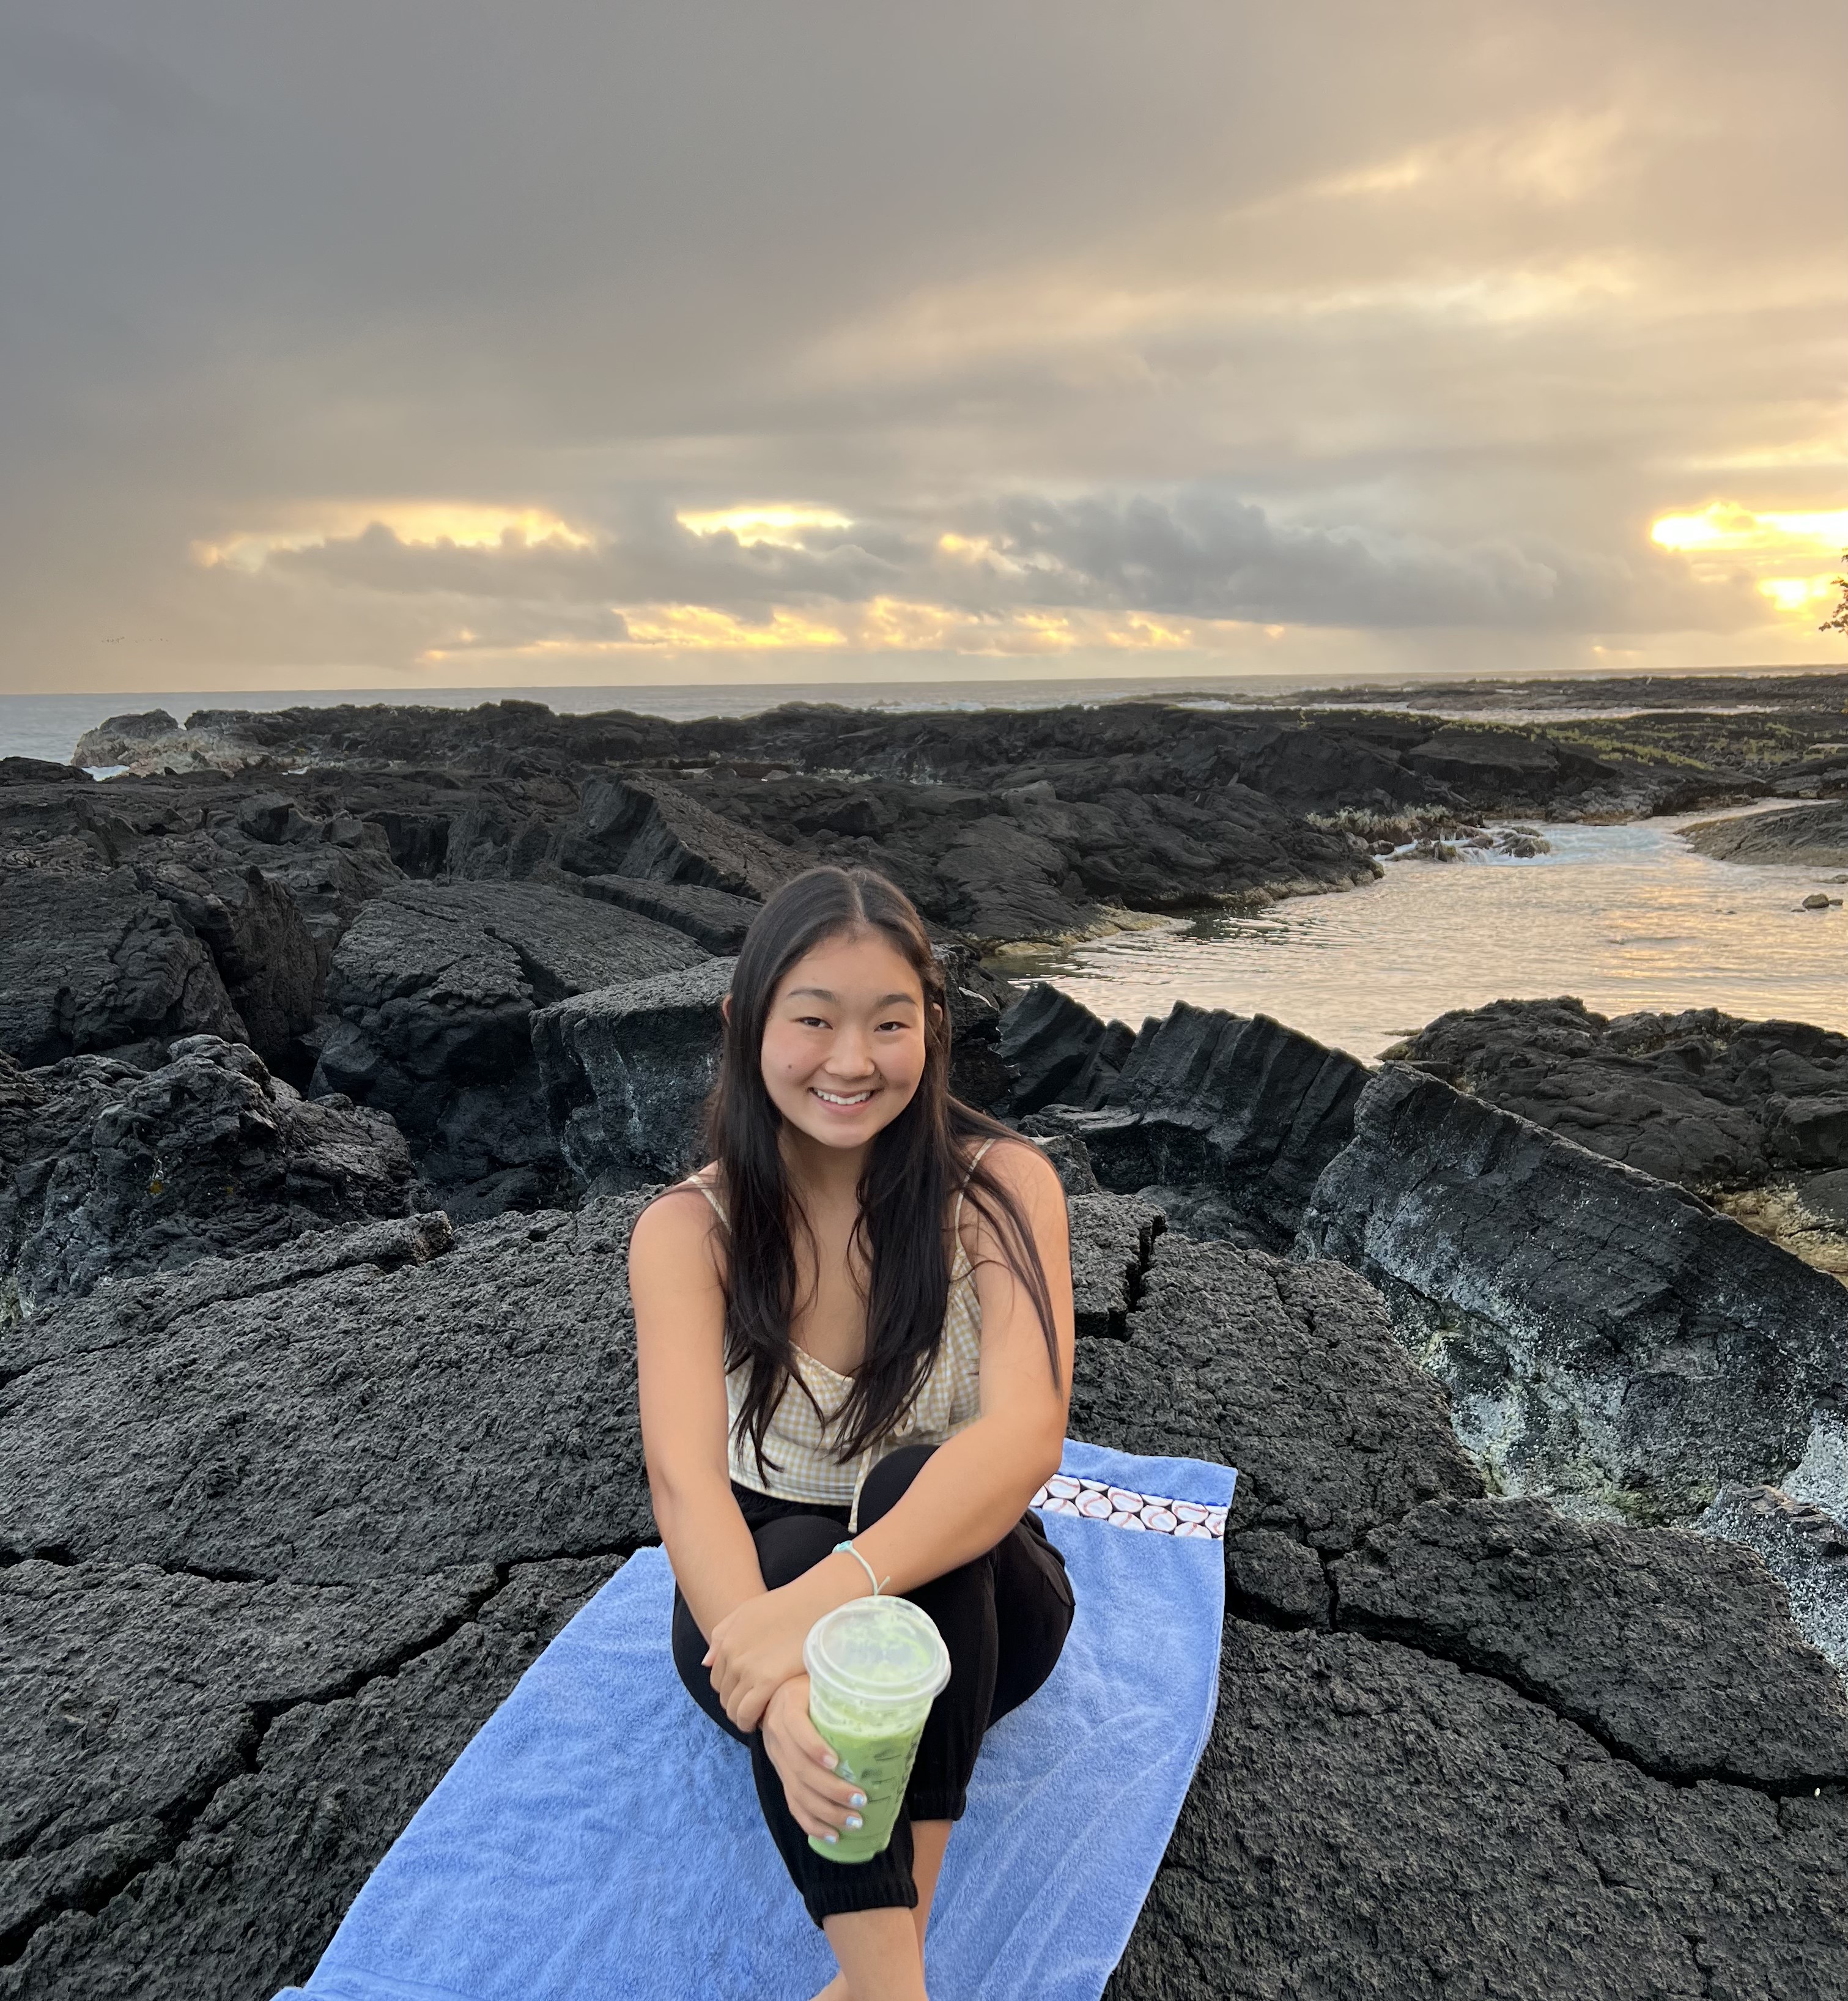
(884, 1000)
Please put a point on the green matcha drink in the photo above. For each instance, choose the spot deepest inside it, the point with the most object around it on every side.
(874, 1667)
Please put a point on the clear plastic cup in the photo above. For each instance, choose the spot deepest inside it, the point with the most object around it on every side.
(875, 1665)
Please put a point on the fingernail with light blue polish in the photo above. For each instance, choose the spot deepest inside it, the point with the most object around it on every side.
(854, 1823)
(856, 1799)
(831, 1836)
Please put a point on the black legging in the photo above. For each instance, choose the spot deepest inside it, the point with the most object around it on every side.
(1004, 1618)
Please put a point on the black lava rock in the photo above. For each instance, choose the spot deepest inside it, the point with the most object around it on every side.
(1576, 1614)
(93, 961)
(1702, 1098)
(1372, 1823)
(111, 1171)
(1601, 1332)
(624, 1071)
(1223, 1122)
(713, 918)
(1056, 1052)
(435, 988)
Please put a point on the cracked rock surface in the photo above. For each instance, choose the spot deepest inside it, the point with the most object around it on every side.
(477, 1407)
(1372, 1818)
(236, 1894)
(134, 1694)
(1668, 1647)
(1113, 1239)
(1290, 1373)
(1371, 1824)
(110, 1170)
(355, 1482)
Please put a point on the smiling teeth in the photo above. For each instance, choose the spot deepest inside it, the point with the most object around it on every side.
(832, 1097)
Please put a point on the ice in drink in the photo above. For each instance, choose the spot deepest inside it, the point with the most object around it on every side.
(875, 1665)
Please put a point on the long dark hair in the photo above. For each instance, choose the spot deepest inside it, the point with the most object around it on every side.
(913, 1167)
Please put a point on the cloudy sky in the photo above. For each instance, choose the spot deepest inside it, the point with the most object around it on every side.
(429, 342)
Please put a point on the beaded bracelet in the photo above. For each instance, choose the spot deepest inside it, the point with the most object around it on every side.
(877, 1586)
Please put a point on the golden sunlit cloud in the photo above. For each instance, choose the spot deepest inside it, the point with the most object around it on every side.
(1558, 158)
(883, 624)
(1782, 551)
(417, 523)
(1726, 526)
(782, 523)
(1798, 594)
(703, 628)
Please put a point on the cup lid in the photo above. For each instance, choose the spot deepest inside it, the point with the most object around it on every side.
(878, 1650)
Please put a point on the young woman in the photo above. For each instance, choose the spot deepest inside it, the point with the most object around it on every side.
(855, 1335)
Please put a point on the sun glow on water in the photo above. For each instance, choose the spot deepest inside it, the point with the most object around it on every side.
(1626, 917)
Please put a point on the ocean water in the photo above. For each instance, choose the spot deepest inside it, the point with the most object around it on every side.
(1624, 917)
(48, 725)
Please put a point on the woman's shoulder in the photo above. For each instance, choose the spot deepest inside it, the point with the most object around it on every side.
(1012, 1162)
(678, 1217)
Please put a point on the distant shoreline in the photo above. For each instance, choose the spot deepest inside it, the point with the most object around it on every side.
(49, 724)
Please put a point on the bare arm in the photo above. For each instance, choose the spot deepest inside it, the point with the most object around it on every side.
(679, 1358)
(972, 1489)
(679, 1354)
(975, 1486)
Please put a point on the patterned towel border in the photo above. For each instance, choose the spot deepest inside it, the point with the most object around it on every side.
(1121, 1508)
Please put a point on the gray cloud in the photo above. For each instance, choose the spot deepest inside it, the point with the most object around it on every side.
(1390, 322)
(1199, 556)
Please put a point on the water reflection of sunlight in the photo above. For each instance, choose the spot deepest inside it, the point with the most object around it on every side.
(1625, 917)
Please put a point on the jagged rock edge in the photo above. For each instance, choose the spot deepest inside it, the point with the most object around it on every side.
(1242, 1607)
(185, 1814)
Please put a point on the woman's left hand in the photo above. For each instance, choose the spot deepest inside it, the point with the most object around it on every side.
(757, 1647)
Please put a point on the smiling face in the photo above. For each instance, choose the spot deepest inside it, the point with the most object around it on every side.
(844, 1044)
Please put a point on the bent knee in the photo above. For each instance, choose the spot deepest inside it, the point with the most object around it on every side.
(887, 1484)
(793, 1544)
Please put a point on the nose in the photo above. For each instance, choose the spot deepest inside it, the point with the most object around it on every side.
(850, 1055)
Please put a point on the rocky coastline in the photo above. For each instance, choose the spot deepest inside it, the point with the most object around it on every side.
(339, 1048)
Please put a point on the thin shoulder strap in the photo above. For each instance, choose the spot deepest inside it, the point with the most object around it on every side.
(975, 1160)
(711, 1194)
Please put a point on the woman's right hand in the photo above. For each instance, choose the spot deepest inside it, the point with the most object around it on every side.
(821, 1804)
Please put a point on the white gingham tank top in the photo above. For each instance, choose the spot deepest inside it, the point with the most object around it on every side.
(799, 1462)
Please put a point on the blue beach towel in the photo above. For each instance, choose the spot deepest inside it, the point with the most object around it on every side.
(600, 1841)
